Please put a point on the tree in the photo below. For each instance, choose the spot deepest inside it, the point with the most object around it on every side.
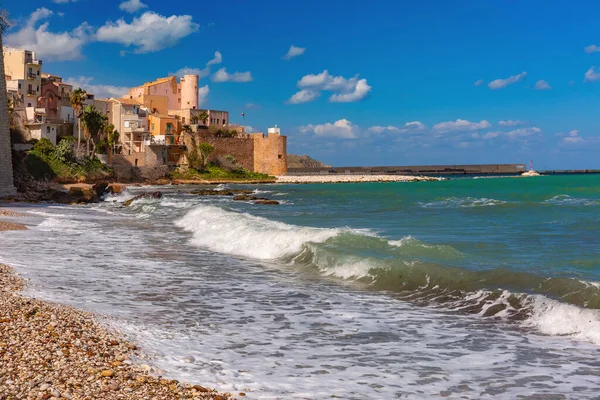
(186, 129)
(94, 124)
(77, 98)
(194, 119)
(203, 116)
(205, 150)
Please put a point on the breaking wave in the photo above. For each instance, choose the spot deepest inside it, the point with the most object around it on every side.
(460, 202)
(426, 274)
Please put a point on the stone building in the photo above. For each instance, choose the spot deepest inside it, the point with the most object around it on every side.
(6, 170)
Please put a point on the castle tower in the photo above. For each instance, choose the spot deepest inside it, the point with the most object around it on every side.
(6, 170)
(189, 92)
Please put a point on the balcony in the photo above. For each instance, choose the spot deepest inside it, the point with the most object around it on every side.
(31, 75)
(31, 93)
(30, 60)
(132, 129)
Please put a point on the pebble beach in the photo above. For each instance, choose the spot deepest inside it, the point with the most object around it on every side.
(52, 351)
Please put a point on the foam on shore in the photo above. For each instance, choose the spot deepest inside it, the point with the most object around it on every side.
(352, 178)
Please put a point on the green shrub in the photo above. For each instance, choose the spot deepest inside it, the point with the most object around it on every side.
(43, 147)
(65, 150)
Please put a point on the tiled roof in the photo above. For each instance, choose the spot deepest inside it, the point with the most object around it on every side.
(129, 102)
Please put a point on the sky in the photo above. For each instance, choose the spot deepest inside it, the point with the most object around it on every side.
(352, 82)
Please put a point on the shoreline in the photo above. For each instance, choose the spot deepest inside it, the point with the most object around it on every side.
(50, 350)
(353, 178)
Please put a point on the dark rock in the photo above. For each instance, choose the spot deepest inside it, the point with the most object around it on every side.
(100, 188)
(273, 202)
(83, 195)
(244, 197)
(148, 195)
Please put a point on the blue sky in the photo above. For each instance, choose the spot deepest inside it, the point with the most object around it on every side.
(365, 83)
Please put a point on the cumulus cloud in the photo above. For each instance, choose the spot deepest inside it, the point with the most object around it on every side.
(304, 96)
(491, 135)
(510, 122)
(542, 85)
(202, 73)
(592, 49)
(294, 52)
(132, 6)
(57, 46)
(342, 129)
(343, 90)
(203, 94)
(409, 127)
(460, 125)
(502, 83)
(149, 32)
(99, 91)
(522, 132)
(478, 82)
(217, 59)
(592, 75)
(223, 76)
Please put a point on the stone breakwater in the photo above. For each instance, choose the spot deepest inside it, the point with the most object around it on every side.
(352, 178)
(51, 351)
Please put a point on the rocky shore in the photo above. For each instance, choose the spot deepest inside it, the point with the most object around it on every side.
(352, 178)
(52, 351)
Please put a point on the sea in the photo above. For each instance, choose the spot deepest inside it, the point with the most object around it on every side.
(464, 289)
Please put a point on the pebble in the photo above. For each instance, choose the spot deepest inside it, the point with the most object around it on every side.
(58, 352)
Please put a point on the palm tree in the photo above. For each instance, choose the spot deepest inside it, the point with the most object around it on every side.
(203, 116)
(77, 98)
(94, 123)
(186, 129)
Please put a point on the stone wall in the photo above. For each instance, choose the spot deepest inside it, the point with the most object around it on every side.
(242, 149)
(270, 154)
(6, 168)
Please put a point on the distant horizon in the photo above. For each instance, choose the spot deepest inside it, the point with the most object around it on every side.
(402, 84)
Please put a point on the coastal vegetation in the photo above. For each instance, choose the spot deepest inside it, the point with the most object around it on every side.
(60, 163)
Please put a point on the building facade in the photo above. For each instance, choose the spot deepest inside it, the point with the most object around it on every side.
(25, 72)
(7, 187)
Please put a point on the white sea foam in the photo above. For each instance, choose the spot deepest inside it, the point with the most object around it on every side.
(247, 235)
(559, 319)
(566, 200)
(463, 202)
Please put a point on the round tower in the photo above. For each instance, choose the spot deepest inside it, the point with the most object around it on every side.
(189, 92)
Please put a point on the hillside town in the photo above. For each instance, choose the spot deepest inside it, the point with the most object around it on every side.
(150, 126)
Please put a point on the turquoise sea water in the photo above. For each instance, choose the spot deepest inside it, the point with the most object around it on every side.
(467, 288)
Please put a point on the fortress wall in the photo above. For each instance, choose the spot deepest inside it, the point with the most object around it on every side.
(270, 154)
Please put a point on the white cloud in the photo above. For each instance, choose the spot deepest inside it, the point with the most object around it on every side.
(491, 135)
(132, 6)
(222, 76)
(202, 94)
(344, 90)
(202, 73)
(342, 129)
(294, 52)
(478, 82)
(417, 125)
(64, 1)
(60, 46)
(461, 125)
(502, 83)
(99, 91)
(251, 106)
(542, 85)
(381, 129)
(149, 32)
(361, 90)
(510, 122)
(592, 49)
(217, 59)
(592, 75)
(522, 132)
(304, 96)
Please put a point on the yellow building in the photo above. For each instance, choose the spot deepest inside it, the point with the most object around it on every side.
(164, 129)
(23, 71)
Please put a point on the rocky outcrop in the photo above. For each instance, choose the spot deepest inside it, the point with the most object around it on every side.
(149, 195)
(267, 202)
(83, 195)
(295, 161)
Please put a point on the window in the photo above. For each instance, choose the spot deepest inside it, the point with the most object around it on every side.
(224, 122)
(38, 72)
(47, 129)
(19, 85)
(169, 126)
(28, 104)
(280, 156)
(183, 120)
(217, 121)
(153, 126)
(178, 90)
